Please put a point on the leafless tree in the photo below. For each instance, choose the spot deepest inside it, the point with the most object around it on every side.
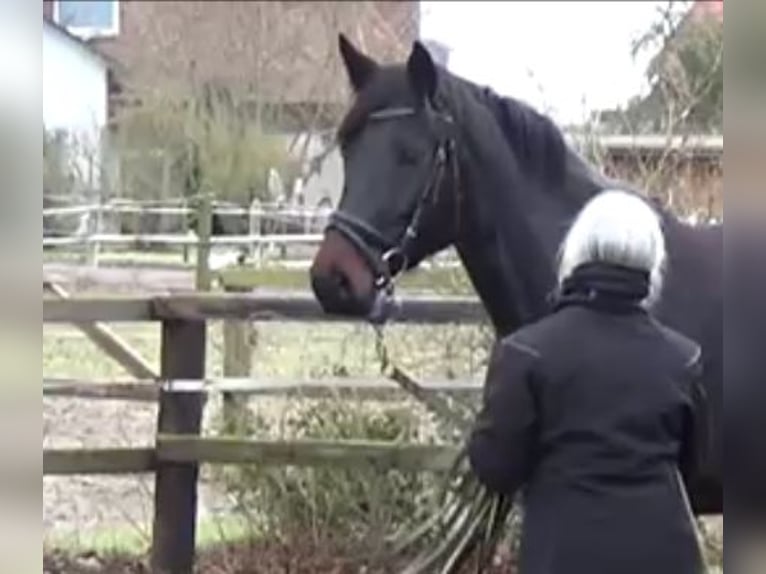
(684, 107)
(262, 67)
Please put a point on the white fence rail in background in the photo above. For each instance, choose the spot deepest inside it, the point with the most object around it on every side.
(173, 239)
(262, 243)
(119, 207)
(91, 220)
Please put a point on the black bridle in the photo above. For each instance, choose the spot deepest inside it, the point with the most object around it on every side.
(388, 258)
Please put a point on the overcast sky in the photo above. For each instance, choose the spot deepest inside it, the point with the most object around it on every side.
(561, 57)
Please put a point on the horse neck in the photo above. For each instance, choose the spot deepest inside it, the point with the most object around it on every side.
(512, 229)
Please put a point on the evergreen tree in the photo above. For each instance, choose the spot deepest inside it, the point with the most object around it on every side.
(686, 79)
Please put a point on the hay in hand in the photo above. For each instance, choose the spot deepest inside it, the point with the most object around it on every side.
(470, 519)
(468, 525)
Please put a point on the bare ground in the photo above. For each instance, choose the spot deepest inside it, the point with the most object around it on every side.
(119, 279)
(259, 558)
(82, 504)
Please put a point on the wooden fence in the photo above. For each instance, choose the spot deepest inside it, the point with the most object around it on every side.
(91, 237)
(181, 390)
(259, 242)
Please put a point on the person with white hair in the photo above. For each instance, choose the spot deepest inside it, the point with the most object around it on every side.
(595, 413)
(617, 228)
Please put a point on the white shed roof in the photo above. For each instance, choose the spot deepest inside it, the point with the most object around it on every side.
(77, 42)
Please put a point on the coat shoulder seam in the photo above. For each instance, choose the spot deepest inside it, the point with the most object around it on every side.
(522, 346)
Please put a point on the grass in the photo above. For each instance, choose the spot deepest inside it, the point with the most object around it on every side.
(438, 280)
(129, 541)
(284, 349)
(122, 258)
(272, 275)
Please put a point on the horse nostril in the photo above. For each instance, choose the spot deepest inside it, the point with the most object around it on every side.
(342, 284)
(332, 288)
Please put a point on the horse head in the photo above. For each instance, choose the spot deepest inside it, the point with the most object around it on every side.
(398, 148)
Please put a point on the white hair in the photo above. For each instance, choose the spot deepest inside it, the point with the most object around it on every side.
(620, 228)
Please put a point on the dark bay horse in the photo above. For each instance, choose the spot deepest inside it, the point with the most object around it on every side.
(432, 160)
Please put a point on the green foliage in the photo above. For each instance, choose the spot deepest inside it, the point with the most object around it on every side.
(206, 141)
(62, 182)
(686, 78)
(689, 75)
(58, 178)
(358, 508)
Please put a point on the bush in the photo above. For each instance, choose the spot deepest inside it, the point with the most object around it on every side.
(354, 510)
(179, 144)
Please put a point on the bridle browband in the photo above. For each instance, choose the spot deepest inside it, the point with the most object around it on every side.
(388, 258)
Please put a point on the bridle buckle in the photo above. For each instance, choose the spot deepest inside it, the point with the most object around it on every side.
(395, 261)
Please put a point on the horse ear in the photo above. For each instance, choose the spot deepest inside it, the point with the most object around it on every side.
(358, 66)
(422, 71)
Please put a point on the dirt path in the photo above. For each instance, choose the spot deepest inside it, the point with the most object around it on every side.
(86, 503)
(119, 279)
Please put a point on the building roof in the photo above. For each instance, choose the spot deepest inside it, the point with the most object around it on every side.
(76, 40)
(697, 145)
(708, 8)
(280, 52)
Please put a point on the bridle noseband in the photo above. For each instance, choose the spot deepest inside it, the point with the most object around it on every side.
(388, 258)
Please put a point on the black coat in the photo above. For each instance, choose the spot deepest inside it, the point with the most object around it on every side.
(596, 412)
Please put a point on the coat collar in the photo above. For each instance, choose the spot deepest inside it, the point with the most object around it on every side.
(605, 287)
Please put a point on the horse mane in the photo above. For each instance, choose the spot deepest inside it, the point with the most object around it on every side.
(542, 151)
(533, 138)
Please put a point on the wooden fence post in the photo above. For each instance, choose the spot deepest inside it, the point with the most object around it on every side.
(237, 362)
(185, 228)
(95, 227)
(165, 220)
(204, 232)
(175, 489)
(255, 227)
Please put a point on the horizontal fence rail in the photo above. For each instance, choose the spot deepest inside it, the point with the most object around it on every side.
(111, 461)
(190, 239)
(326, 387)
(264, 235)
(246, 306)
(133, 208)
(225, 450)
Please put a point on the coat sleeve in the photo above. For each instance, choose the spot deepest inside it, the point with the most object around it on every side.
(696, 437)
(503, 438)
